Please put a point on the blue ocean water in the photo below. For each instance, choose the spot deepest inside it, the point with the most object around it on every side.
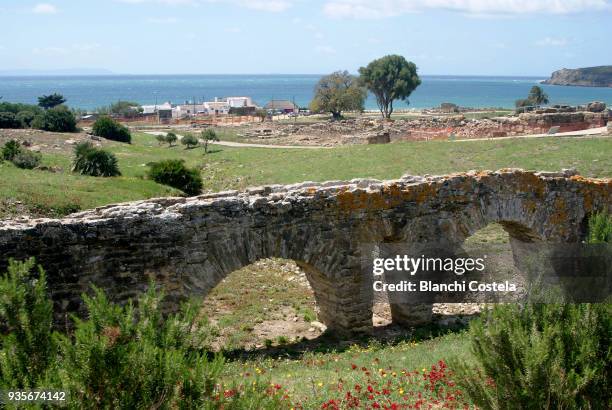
(89, 92)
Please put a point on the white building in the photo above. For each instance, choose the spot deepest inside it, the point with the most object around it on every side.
(152, 109)
(237, 102)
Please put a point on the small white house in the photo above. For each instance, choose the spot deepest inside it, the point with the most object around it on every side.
(237, 102)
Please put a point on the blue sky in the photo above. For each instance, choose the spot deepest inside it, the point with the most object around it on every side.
(508, 37)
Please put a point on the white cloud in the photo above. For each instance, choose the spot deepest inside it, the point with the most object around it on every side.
(325, 50)
(233, 30)
(168, 2)
(389, 8)
(262, 5)
(44, 8)
(552, 42)
(162, 20)
(274, 6)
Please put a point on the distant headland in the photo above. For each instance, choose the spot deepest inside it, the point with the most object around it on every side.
(584, 77)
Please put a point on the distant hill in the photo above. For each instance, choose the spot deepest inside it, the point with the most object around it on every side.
(585, 77)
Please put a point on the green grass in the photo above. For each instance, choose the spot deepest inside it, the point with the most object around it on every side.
(237, 168)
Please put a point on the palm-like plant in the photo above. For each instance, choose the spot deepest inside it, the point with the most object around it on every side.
(94, 162)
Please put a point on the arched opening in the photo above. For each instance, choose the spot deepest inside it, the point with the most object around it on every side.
(268, 303)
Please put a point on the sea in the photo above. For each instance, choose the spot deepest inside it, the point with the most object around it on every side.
(90, 92)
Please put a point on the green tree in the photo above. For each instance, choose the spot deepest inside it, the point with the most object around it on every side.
(170, 138)
(126, 109)
(9, 120)
(50, 101)
(390, 78)
(209, 135)
(56, 119)
(261, 114)
(537, 96)
(337, 92)
(189, 141)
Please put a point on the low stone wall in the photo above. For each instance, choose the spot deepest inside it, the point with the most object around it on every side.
(188, 245)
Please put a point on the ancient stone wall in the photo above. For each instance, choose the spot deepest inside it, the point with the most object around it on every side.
(189, 244)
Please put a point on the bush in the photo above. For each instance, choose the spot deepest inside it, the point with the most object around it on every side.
(9, 120)
(170, 138)
(108, 128)
(94, 162)
(10, 149)
(25, 118)
(174, 173)
(26, 342)
(121, 357)
(26, 159)
(160, 139)
(57, 119)
(189, 140)
(600, 228)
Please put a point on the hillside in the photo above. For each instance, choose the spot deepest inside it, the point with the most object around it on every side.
(585, 77)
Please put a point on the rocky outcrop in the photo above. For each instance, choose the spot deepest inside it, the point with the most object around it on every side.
(189, 245)
(585, 77)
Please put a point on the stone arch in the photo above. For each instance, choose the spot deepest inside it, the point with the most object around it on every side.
(189, 244)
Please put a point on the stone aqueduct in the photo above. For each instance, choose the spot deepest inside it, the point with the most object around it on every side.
(190, 244)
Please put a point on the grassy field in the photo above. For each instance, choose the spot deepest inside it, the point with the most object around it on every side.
(53, 193)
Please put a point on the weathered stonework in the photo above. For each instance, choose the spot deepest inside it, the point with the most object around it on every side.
(190, 244)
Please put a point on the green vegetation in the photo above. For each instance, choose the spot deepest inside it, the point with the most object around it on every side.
(390, 78)
(209, 135)
(237, 168)
(94, 162)
(125, 109)
(170, 138)
(9, 120)
(174, 173)
(21, 158)
(110, 129)
(189, 141)
(338, 92)
(600, 228)
(26, 159)
(540, 356)
(50, 101)
(10, 150)
(121, 357)
(536, 98)
(56, 119)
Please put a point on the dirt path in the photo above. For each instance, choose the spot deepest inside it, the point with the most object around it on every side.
(601, 131)
(246, 145)
(588, 132)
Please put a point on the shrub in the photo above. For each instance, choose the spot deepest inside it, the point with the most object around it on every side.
(161, 139)
(9, 120)
(94, 162)
(600, 228)
(26, 342)
(175, 174)
(108, 128)
(10, 149)
(26, 159)
(57, 119)
(189, 140)
(25, 118)
(170, 138)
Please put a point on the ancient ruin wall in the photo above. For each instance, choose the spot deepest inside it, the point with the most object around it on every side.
(189, 244)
